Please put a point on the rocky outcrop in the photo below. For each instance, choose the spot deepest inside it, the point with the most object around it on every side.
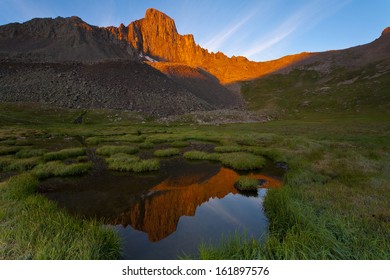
(155, 37)
(62, 39)
(386, 32)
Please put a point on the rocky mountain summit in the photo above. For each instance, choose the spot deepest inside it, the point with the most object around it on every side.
(153, 38)
(146, 66)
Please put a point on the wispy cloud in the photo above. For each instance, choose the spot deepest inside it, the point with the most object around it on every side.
(305, 18)
(220, 210)
(218, 41)
(222, 37)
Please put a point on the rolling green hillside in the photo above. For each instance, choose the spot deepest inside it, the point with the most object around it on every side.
(302, 90)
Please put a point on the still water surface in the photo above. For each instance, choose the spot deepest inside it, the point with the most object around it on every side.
(164, 214)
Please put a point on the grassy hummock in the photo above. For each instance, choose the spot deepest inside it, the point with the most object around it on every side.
(60, 169)
(28, 153)
(10, 163)
(121, 162)
(8, 150)
(146, 145)
(242, 161)
(130, 163)
(229, 149)
(21, 186)
(245, 183)
(179, 144)
(167, 152)
(199, 155)
(146, 165)
(111, 150)
(64, 154)
(235, 160)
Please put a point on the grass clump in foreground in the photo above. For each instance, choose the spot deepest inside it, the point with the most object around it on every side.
(229, 149)
(146, 145)
(21, 186)
(237, 246)
(238, 161)
(146, 165)
(28, 153)
(128, 163)
(245, 183)
(179, 144)
(34, 228)
(8, 150)
(111, 150)
(18, 164)
(167, 152)
(64, 154)
(242, 161)
(60, 169)
(199, 155)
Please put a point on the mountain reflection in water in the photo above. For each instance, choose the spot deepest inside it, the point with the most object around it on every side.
(160, 214)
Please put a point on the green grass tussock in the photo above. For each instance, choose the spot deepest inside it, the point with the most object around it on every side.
(245, 183)
(233, 247)
(199, 155)
(179, 144)
(64, 154)
(20, 186)
(242, 161)
(121, 162)
(128, 138)
(23, 164)
(8, 150)
(146, 145)
(229, 149)
(28, 153)
(235, 160)
(167, 152)
(5, 161)
(146, 165)
(111, 150)
(129, 163)
(60, 169)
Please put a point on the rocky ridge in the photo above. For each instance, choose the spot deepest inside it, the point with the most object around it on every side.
(112, 67)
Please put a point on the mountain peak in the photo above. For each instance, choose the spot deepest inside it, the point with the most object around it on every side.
(154, 14)
(151, 12)
(386, 31)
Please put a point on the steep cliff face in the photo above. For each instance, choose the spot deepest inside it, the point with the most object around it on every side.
(154, 36)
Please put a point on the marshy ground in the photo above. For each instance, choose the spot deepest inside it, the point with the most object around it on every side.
(334, 202)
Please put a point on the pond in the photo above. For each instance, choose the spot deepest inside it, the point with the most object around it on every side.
(169, 213)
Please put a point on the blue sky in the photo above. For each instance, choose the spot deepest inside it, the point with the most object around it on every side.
(258, 29)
